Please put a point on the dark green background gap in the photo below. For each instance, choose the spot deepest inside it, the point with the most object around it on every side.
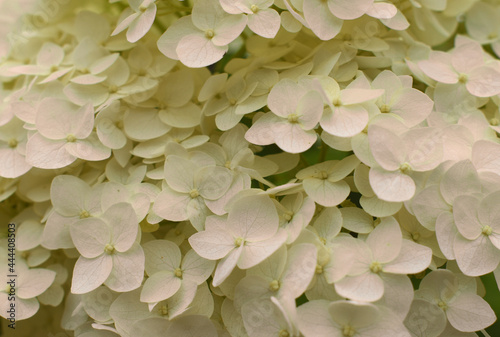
(493, 298)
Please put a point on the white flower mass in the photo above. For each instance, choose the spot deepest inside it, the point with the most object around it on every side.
(250, 168)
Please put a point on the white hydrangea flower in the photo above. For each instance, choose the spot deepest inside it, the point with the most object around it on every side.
(348, 318)
(229, 99)
(188, 187)
(384, 259)
(138, 18)
(346, 116)
(460, 179)
(410, 104)
(13, 138)
(413, 230)
(30, 283)
(324, 182)
(127, 311)
(73, 199)
(325, 17)
(286, 273)
(262, 20)
(48, 63)
(295, 113)
(112, 82)
(235, 154)
(167, 273)
(455, 295)
(477, 244)
(418, 149)
(244, 239)
(201, 39)
(296, 211)
(64, 134)
(465, 65)
(109, 249)
(330, 266)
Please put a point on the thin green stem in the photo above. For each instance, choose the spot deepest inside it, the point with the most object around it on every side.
(485, 333)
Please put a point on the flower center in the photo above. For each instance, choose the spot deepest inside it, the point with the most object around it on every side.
(109, 249)
(84, 214)
(443, 305)
(254, 8)
(405, 168)
(284, 333)
(385, 108)
(288, 216)
(163, 310)
(113, 89)
(348, 331)
(209, 34)
(462, 78)
(178, 272)
(415, 236)
(71, 138)
(487, 230)
(336, 102)
(494, 121)
(319, 269)
(238, 242)
(293, 118)
(274, 285)
(9, 289)
(194, 193)
(323, 175)
(13, 143)
(375, 267)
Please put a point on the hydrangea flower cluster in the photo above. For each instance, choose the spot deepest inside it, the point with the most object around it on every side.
(251, 168)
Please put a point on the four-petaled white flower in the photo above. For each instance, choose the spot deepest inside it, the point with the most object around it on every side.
(477, 243)
(295, 113)
(167, 273)
(202, 38)
(262, 20)
(64, 134)
(456, 296)
(347, 319)
(248, 236)
(110, 252)
(24, 288)
(188, 187)
(138, 18)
